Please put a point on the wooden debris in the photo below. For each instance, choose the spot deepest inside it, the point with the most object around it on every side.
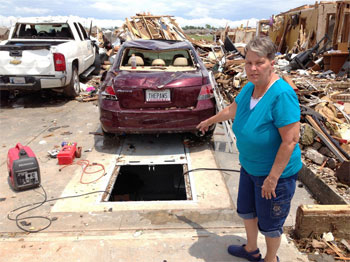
(290, 82)
(147, 26)
(325, 139)
(346, 244)
(317, 219)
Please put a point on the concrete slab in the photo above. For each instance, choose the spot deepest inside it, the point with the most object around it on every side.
(84, 229)
(211, 201)
(139, 245)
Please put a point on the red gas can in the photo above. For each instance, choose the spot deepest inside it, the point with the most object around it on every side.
(23, 168)
(67, 154)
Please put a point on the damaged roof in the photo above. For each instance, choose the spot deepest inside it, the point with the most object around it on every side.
(157, 44)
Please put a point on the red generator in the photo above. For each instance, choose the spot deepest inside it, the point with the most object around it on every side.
(23, 168)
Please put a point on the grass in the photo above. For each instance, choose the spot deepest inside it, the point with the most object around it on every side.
(208, 38)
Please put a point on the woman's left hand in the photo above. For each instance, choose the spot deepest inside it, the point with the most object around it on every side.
(268, 188)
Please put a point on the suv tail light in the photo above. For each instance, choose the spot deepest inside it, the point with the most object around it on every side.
(59, 61)
(109, 93)
(206, 92)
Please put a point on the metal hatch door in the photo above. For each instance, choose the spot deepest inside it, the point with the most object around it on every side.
(152, 150)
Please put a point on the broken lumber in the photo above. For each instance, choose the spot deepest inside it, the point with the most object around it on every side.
(321, 191)
(290, 82)
(234, 62)
(318, 219)
(325, 139)
(146, 26)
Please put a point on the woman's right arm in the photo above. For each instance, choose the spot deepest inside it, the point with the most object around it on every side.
(227, 113)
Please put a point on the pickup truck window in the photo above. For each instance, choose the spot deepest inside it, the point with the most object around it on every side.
(42, 31)
(83, 31)
(77, 28)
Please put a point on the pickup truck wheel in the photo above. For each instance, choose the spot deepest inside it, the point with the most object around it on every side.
(73, 88)
(97, 64)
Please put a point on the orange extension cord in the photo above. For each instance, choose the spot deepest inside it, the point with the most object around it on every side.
(85, 164)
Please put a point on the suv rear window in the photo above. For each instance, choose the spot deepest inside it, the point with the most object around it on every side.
(158, 58)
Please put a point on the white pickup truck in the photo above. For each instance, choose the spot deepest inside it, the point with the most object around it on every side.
(47, 54)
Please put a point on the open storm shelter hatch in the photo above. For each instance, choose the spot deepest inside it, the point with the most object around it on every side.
(150, 171)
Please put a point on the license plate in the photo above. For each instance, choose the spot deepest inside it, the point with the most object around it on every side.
(17, 80)
(158, 96)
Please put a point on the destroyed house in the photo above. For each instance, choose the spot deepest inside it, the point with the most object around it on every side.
(303, 27)
(147, 26)
(4, 32)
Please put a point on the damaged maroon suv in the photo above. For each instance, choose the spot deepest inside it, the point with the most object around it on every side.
(155, 86)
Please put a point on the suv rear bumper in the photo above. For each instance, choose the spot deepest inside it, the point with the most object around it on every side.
(31, 83)
(133, 121)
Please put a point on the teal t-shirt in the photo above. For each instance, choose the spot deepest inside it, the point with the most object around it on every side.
(256, 130)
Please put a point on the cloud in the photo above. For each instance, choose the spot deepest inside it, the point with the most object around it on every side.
(7, 21)
(216, 22)
(127, 8)
(31, 11)
(199, 11)
(104, 23)
(120, 9)
(112, 23)
(111, 13)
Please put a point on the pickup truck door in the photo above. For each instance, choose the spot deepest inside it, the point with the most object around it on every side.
(86, 51)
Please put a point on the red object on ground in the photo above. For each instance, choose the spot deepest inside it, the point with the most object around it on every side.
(67, 154)
(23, 168)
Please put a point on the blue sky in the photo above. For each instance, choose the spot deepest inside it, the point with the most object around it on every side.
(200, 12)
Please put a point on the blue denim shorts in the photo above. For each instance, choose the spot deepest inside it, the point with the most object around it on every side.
(271, 213)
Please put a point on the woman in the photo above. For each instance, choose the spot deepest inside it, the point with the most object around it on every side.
(266, 124)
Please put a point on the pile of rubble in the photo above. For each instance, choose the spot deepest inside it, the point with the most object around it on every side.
(4, 33)
(324, 247)
(147, 26)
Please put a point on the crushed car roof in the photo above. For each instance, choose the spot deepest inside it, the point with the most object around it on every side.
(157, 44)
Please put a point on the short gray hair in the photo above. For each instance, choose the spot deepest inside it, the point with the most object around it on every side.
(263, 46)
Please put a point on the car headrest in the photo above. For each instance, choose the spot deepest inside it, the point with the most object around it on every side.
(158, 62)
(65, 32)
(139, 61)
(180, 61)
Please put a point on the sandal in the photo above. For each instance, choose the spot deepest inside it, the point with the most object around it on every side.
(262, 260)
(239, 251)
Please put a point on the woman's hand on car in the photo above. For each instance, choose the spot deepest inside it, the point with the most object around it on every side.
(203, 126)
